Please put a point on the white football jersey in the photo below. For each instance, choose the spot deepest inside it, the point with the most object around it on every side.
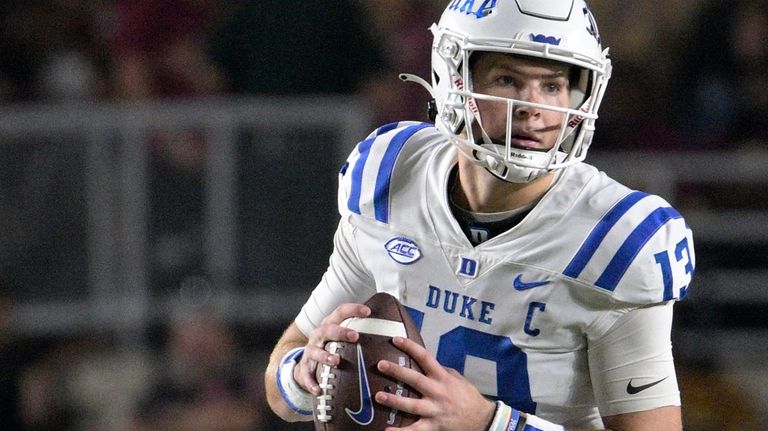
(529, 316)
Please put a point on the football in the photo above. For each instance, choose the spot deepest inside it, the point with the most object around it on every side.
(347, 401)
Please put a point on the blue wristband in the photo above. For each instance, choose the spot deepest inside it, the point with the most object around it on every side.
(297, 399)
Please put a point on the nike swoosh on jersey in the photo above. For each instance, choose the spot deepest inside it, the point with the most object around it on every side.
(635, 389)
(364, 415)
(519, 284)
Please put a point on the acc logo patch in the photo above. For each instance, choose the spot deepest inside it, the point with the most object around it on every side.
(402, 250)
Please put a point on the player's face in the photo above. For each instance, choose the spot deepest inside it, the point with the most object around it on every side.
(527, 80)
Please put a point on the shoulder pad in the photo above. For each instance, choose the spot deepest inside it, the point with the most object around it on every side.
(365, 178)
(640, 251)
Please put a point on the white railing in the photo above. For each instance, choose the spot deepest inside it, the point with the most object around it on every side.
(117, 196)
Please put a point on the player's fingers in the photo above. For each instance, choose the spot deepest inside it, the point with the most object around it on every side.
(345, 311)
(416, 406)
(318, 355)
(420, 354)
(304, 373)
(410, 377)
(332, 332)
(330, 329)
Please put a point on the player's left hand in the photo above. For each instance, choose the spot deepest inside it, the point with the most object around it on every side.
(448, 400)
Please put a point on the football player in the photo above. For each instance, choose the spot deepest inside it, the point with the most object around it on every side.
(543, 289)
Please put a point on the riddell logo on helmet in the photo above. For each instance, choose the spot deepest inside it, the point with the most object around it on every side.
(467, 7)
(578, 119)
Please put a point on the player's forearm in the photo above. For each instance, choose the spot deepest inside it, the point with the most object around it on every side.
(292, 339)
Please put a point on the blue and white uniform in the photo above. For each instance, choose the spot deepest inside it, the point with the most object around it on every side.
(566, 315)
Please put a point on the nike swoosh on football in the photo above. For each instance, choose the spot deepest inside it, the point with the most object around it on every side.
(518, 283)
(635, 389)
(364, 415)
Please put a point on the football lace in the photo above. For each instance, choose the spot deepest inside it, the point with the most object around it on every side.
(326, 385)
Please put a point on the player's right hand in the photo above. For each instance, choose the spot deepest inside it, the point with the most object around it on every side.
(330, 329)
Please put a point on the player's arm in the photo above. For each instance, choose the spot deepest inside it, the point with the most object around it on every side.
(289, 380)
(290, 377)
(633, 371)
(662, 418)
(291, 339)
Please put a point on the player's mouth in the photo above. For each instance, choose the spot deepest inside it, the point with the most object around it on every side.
(523, 140)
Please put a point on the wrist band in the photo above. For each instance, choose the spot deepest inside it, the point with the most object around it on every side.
(505, 419)
(299, 400)
(509, 419)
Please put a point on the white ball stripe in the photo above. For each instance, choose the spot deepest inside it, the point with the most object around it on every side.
(373, 326)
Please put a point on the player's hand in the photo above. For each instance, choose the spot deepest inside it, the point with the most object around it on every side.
(448, 400)
(315, 353)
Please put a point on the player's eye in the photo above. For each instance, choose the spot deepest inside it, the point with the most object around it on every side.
(553, 87)
(506, 80)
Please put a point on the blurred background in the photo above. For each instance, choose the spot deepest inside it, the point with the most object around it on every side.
(168, 172)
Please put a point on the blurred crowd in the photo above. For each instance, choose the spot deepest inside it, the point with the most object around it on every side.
(688, 75)
(193, 372)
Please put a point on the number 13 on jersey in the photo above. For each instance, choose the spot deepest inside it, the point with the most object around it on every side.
(681, 255)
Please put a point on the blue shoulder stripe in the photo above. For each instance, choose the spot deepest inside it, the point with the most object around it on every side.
(384, 178)
(357, 171)
(384, 175)
(353, 203)
(386, 128)
(590, 246)
(632, 245)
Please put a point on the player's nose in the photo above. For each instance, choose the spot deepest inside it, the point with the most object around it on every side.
(531, 94)
(526, 111)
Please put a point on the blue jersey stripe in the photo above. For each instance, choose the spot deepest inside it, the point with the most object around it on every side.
(353, 203)
(620, 262)
(384, 177)
(588, 249)
(666, 274)
(386, 128)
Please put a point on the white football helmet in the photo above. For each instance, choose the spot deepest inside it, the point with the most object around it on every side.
(557, 30)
